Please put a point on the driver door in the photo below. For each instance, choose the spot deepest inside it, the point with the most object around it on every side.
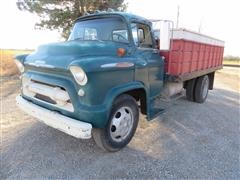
(148, 52)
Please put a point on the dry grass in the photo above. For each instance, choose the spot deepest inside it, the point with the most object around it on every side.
(7, 65)
(231, 62)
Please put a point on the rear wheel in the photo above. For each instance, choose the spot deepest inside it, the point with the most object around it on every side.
(201, 89)
(121, 125)
(190, 89)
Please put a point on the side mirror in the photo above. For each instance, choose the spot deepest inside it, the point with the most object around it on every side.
(156, 34)
(157, 42)
(140, 35)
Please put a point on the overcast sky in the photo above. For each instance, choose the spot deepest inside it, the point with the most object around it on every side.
(217, 18)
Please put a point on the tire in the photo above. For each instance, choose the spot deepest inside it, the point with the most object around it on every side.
(190, 90)
(201, 89)
(121, 126)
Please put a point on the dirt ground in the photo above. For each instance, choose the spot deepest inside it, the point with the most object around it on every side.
(189, 141)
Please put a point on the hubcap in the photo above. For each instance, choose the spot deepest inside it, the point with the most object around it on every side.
(121, 124)
(205, 88)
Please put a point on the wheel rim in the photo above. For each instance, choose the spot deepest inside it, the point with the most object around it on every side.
(205, 88)
(121, 124)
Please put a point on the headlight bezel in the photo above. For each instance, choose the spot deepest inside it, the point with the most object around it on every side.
(79, 75)
(19, 65)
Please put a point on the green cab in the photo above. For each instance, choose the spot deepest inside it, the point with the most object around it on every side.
(108, 67)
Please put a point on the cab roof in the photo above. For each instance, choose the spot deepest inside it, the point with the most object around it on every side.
(127, 16)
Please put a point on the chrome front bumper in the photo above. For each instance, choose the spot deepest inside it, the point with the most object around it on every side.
(53, 119)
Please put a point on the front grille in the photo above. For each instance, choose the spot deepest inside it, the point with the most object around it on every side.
(44, 83)
(49, 93)
(45, 98)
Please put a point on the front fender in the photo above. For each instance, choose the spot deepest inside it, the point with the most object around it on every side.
(104, 74)
(21, 58)
(121, 89)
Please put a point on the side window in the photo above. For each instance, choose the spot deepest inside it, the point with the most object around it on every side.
(142, 35)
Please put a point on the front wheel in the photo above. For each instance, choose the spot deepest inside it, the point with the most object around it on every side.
(121, 126)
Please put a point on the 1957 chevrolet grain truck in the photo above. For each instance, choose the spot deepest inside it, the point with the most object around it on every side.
(112, 66)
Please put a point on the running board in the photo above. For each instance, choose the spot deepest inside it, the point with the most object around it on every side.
(160, 104)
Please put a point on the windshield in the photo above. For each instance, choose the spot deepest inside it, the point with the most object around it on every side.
(102, 29)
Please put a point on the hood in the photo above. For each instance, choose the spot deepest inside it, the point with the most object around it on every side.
(60, 55)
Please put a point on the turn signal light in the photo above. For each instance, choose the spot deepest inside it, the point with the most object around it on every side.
(121, 52)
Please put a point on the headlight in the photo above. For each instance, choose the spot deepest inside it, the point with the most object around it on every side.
(19, 65)
(79, 75)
